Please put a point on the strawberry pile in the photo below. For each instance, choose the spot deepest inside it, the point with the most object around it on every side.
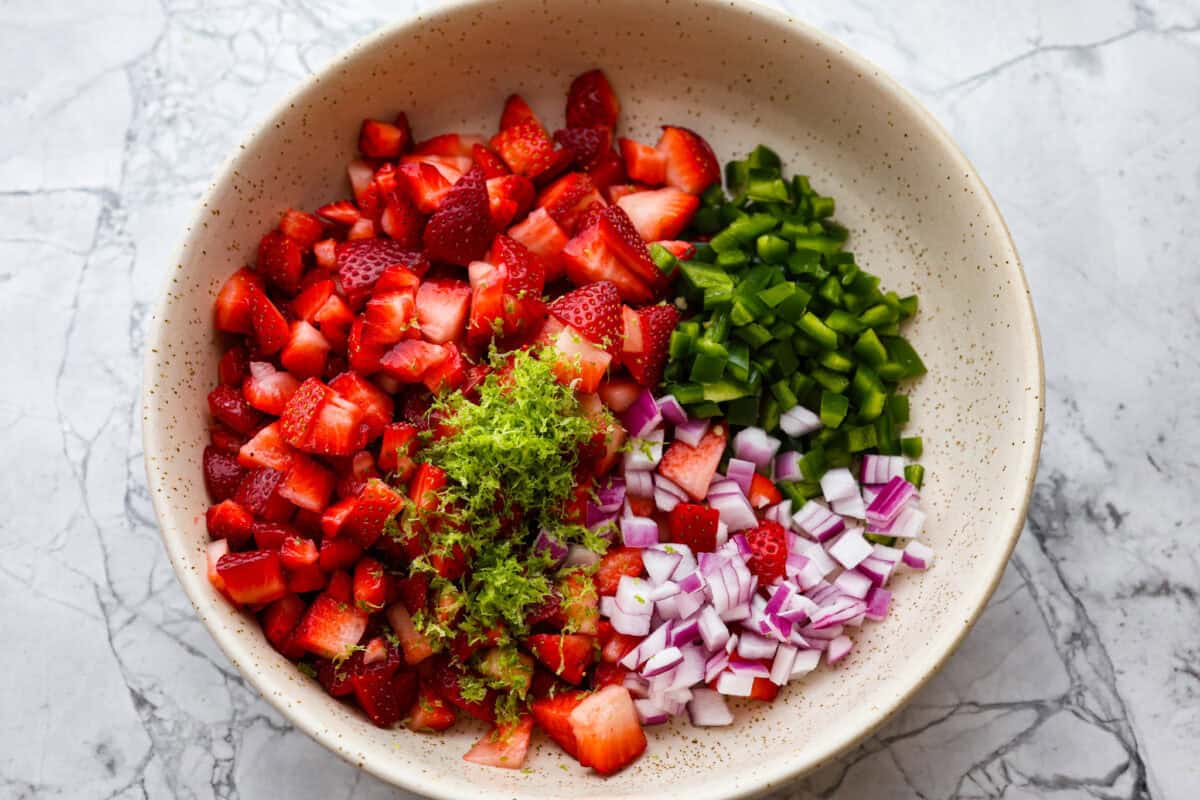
(340, 340)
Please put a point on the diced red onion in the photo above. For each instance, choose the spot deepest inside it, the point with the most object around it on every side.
(852, 506)
(664, 590)
(690, 671)
(787, 467)
(735, 684)
(799, 608)
(643, 416)
(735, 511)
(885, 553)
(688, 603)
(692, 431)
(715, 665)
(740, 472)
(722, 533)
(754, 444)
(661, 661)
(918, 555)
(668, 607)
(633, 596)
(667, 485)
(881, 469)
(876, 569)
(665, 501)
(671, 410)
(731, 645)
(888, 503)
(718, 594)
(611, 495)
(878, 600)
(781, 512)
(713, 631)
(649, 712)
(799, 421)
(707, 709)
(724, 486)
(687, 561)
(637, 685)
(741, 666)
(639, 484)
(818, 521)
(907, 524)
(823, 592)
(853, 583)
(857, 620)
(842, 609)
(639, 531)
(735, 613)
(580, 556)
(628, 624)
(814, 552)
(806, 661)
(644, 453)
(552, 547)
(778, 628)
(781, 667)
(659, 564)
(850, 548)
(869, 493)
(743, 546)
(780, 597)
(839, 648)
(595, 518)
(753, 646)
(693, 581)
(838, 484)
(684, 632)
(816, 635)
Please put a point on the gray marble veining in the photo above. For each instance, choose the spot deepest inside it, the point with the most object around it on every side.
(1082, 679)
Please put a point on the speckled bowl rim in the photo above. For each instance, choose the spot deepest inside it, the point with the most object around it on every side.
(769, 777)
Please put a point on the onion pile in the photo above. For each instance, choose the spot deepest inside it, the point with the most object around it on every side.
(709, 629)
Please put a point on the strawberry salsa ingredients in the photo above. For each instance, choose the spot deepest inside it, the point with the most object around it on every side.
(447, 476)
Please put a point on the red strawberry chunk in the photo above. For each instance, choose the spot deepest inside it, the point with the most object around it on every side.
(586, 145)
(681, 250)
(517, 112)
(271, 329)
(442, 305)
(615, 564)
(607, 733)
(568, 198)
(378, 139)
(377, 407)
(446, 681)
(234, 366)
(410, 359)
(252, 578)
(360, 263)
(342, 212)
(660, 214)
(763, 689)
(330, 627)
(401, 220)
(390, 317)
(619, 393)
(300, 411)
(595, 311)
(281, 261)
(335, 554)
(272, 535)
(768, 551)
(608, 675)
(607, 169)
(504, 746)
(543, 237)
(296, 552)
(396, 449)
(525, 148)
(615, 646)
(228, 407)
(234, 313)
(461, 229)
(509, 197)
(646, 365)
(448, 144)
(228, 520)
(643, 163)
(553, 715)
(694, 525)
(692, 468)
(259, 493)
(338, 429)
(301, 227)
(308, 485)
(430, 712)
(267, 389)
(222, 473)
(306, 350)
(267, 449)
(691, 164)
(491, 164)
(567, 655)
(426, 185)
(279, 620)
(447, 375)
(311, 298)
(370, 585)
(763, 492)
(383, 693)
(578, 361)
(591, 101)
(373, 507)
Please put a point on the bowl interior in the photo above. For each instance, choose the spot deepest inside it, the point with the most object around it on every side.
(919, 217)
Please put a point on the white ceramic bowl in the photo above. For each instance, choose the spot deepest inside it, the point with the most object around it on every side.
(740, 75)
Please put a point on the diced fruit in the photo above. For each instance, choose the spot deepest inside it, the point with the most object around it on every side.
(426, 185)
(617, 563)
(228, 520)
(279, 620)
(390, 317)
(553, 715)
(544, 238)
(492, 165)
(609, 248)
(448, 144)
(416, 646)
(430, 712)
(643, 163)
(222, 473)
(375, 504)
(308, 485)
(271, 329)
(567, 655)
(281, 261)
(447, 375)
(442, 305)
(383, 692)
(578, 361)
(330, 627)
(504, 746)
(681, 250)
(568, 198)
(646, 365)
(691, 164)
(296, 552)
(595, 311)
(228, 407)
(410, 359)
(587, 145)
(608, 675)
(318, 420)
(661, 213)
(461, 229)
(378, 139)
(591, 101)
(763, 492)
(618, 394)
(335, 554)
(768, 551)
(615, 646)
(509, 197)
(259, 493)
(268, 389)
(692, 468)
(361, 262)
(252, 578)
(370, 585)
(395, 451)
(606, 170)
(267, 449)
(233, 309)
(607, 733)
(376, 406)
(579, 609)
(446, 680)
(234, 366)
(526, 148)
(764, 690)
(306, 350)
(516, 112)
(694, 525)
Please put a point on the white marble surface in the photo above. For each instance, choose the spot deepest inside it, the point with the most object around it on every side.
(1082, 680)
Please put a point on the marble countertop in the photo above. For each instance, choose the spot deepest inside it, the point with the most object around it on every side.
(1081, 680)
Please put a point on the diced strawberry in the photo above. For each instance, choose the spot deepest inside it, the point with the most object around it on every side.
(553, 715)
(615, 646)
(646, 366)
(447, 375)
(618, 394)
(605, 447)
(354, 473)
(377, 407)
(661, 213)
(363, 229)
(410, 359)
(448, 144)
(370, 585)
(460, 230)
(567, 198)
(308, 485)
(363, 358)
(318, 420)
(504, 746)
(691, 164)
(430, 712)
(396, 449)
(228, 520)
(225, 440)
(401, 220)
(281, 261)
(517, 112)
(768, 551)
(442, 305)
(425, 184)
(491, 164)
(764, 689)
(598, 253)
(763, 492)
(578, 361)
(296, 552)
(306, 350)
(222, 474)
(311, 298)
(300, 411)
(279, 620)
(267, 449)
(373, 507)
(228, 407)
(591, 101)
(694, 525)
(271, 535)
(607, 169)
(526, 272)
(415, 645)
(595, 311)
(306, 579)
(270, 326)
(586, 145)
(252, 578)
(259, 493)
(509, 197)
(341, 586)
(338, 554)
(330, 627)
(615, 564)
(681, 250)
(234, 366)
(378, 139)
(342, 212)
(414, 591)
(615, 193)
(692, 468)
(556, 165)
(543, 237)
(643, 163)
(267, 389)
(362, 182)
(301, 227)
(390, 317)
(526, 148)
(445, 679)
(234, 313)
(567, 655)
(361, 263)
(607, 732)
(608, 675)
(336, 677)
(580, 607)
